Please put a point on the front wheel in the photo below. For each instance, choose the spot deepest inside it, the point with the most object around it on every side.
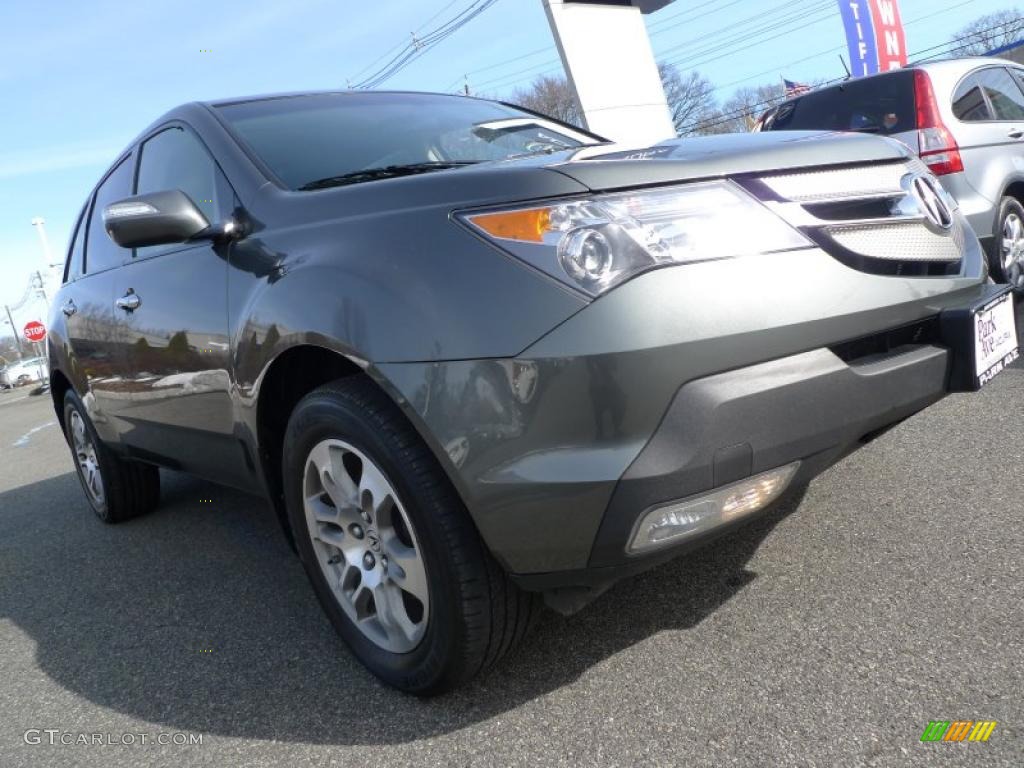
(1008, 245)
(389, 547)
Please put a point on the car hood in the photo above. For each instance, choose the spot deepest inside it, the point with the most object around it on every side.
(609, 166)
(572, 172)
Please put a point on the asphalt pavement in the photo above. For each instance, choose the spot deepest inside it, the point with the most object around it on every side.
(828, 633)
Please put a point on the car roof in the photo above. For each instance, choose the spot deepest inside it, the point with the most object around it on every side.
(960, 66)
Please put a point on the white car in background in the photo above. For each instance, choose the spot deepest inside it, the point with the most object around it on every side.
(33, 369)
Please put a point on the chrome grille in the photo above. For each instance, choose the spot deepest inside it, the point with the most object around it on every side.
(870, 216)
(840, 183)
(911, 241)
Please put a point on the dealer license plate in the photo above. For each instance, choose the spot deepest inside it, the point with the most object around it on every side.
(995, 339)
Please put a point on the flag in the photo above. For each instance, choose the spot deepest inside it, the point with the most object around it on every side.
(860, 37)
(890, 40)
(794, 89)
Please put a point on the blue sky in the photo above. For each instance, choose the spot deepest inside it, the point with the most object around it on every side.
(80, 80)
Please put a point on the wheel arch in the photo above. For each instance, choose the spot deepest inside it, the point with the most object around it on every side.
(1015, 189)
(59, 386)
(292, 374)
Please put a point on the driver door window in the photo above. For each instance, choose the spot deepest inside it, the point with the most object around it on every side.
(175, 159)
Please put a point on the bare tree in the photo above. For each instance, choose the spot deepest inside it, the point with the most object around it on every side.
(691, 98)
(552, 96)
(989, 32)
(741, 111)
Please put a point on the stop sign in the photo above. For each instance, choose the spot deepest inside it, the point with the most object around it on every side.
(35, 331)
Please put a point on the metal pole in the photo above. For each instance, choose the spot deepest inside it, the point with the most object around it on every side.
(42, 287)
(40, 224)
(51, 268)
(14, 331)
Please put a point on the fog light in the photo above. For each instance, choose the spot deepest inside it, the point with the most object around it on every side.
(676, 521)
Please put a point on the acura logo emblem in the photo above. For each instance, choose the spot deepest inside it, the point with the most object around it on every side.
(931, 202)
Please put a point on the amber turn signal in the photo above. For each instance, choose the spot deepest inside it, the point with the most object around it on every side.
(529, 225)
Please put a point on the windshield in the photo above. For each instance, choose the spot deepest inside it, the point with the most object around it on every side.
(884, 104)
(305, 139)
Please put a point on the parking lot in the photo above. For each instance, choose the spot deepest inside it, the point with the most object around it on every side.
(828, 633)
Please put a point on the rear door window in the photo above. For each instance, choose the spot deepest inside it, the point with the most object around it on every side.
(883, 104)
(101, 252)
(1003, 93)
(969, 102)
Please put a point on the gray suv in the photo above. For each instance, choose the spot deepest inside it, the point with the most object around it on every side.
(963, 117)
(477, 360)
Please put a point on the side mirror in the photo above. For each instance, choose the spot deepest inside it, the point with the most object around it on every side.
(157, 218)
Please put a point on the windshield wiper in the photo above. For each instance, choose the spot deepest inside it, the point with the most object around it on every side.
(384, 172)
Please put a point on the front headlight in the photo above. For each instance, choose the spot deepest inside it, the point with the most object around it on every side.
(596, 242)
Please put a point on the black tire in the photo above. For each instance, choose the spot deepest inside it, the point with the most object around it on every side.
(477, 614)
(130, 488)
(1009, 209)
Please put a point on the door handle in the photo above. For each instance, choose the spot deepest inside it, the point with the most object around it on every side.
(69, 308)
(1016, 133)
(129, 302)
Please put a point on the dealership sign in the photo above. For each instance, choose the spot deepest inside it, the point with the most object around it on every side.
(874, 35)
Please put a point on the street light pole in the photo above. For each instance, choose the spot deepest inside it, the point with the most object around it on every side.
(51, 268)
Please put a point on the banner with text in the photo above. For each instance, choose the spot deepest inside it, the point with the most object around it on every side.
(874, 35)
(890, 40)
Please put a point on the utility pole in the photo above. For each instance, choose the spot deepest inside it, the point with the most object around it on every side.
(14, 331)
(51, 267)
(41, 286)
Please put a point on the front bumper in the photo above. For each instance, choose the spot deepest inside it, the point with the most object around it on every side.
(678, 382)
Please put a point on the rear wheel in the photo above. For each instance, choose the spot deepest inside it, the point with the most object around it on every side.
(1008, 245)
(117, 489)
(389, 547)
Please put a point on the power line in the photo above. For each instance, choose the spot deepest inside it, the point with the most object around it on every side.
(684, 12)
(402, 45)
(420, 45)
(553, 65)
(718, 9)
(457, 80)
(653, 31)
(728, 47)
(788, 12)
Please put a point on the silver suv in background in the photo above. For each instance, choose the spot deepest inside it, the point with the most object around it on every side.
(963, 117)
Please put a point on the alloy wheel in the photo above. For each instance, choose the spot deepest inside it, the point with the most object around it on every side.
(85, 457)
(365, 545)
(1012, 250)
